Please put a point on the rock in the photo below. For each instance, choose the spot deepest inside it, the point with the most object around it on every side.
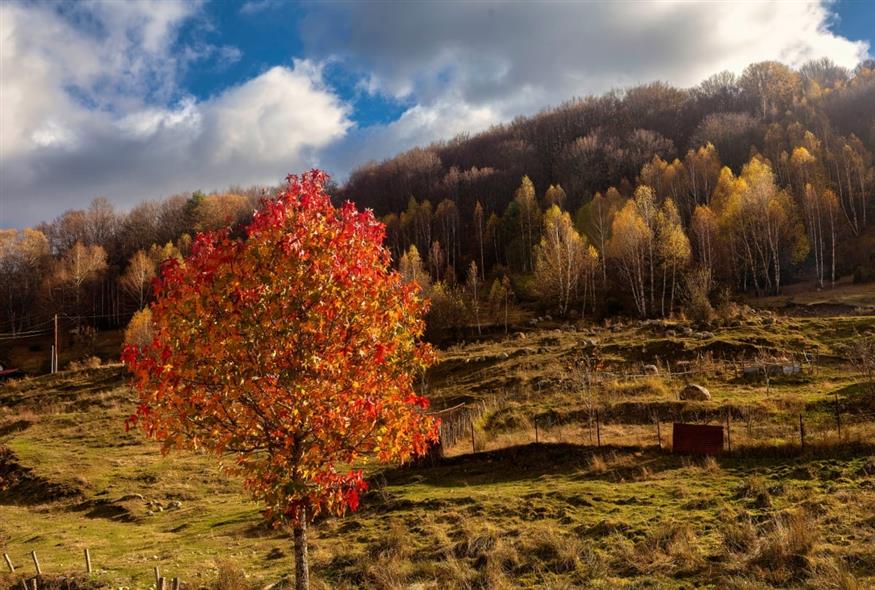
(687, 331)
(548, 318)
(706, 335)
(520, 336)
(651, 370)
(174, 505)
(129, 497)
(695, 392)
(671, 333)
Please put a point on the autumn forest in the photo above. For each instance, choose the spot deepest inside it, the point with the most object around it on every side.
(646, 202)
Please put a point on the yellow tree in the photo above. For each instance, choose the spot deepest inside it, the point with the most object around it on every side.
(594, 219)
(555, 195)
(673, 249)
(645, 203)
(560, 260)
(704, 228)
(628, 249)
(79, 266)
(772, 85)
(411, 269)
(765, 222)
(23, 258)
(215, 211)
(138, 275)
(703, 169)
(529, 214)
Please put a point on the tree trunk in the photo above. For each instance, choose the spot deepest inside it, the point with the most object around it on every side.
(302, 566)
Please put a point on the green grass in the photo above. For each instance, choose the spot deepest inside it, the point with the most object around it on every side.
(556, 515)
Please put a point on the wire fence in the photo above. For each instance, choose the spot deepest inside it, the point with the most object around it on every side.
(468, 428)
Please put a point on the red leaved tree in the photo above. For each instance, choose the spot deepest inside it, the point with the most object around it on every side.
(292, 349)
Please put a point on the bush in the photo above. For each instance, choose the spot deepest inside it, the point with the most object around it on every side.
(698, 307)
(89, 362)
(787, 546)
(447, 312)
(139, 330)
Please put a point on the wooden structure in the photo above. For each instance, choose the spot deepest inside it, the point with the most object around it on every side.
(697, 439)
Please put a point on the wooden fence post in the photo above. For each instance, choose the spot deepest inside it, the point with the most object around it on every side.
(39, 572)
(9, 563)
(160, 584)
(157, 576)
(87, 560)
(175, 584)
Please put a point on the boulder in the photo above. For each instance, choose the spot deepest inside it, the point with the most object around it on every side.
(651, 370)
(695, 393)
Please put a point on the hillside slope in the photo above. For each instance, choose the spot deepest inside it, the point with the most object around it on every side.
(559, 514)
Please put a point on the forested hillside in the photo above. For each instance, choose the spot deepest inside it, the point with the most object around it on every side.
(648, 201)
(768, 174)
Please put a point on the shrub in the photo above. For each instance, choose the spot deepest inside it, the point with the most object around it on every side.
(231, 577)
(755, 488)
(89, 362)
(739, 533)
(784, 550)
(139, 330)
(698, 306)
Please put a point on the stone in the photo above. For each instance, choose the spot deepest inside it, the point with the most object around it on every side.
(695, 393)
(651, 370)
(687, 331)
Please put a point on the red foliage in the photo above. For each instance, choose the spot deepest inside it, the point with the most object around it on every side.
(293, 350)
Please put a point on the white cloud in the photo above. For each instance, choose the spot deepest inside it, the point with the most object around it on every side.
(78, 121)
(502, 59)
(90, 101)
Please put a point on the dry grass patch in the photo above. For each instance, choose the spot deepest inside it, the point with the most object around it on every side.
(784, 551)
(756, 489)
(672, 548)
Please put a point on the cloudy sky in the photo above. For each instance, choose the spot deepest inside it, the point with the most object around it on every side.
(134, 99)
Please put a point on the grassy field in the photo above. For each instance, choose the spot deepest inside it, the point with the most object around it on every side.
(557, 514)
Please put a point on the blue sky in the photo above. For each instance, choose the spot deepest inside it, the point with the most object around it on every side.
(146, 98)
